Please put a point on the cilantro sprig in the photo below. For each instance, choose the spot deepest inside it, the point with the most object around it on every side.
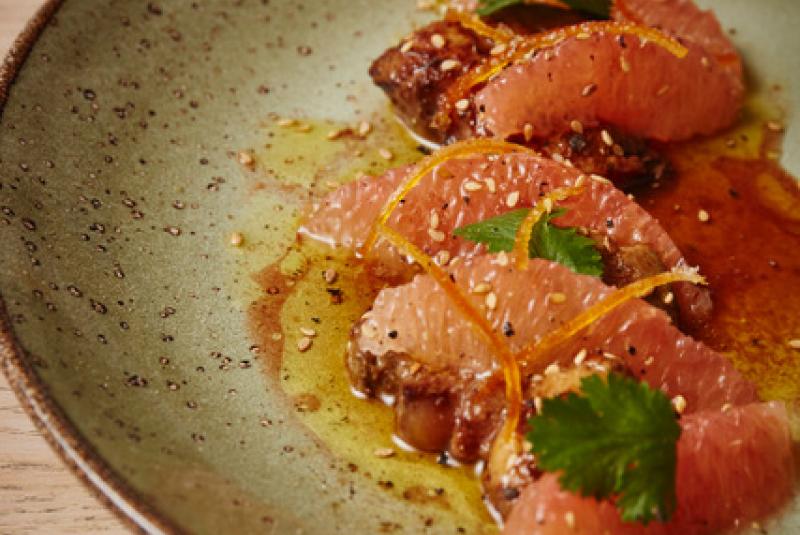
(559, 244)
(598, 8)
(616, 440)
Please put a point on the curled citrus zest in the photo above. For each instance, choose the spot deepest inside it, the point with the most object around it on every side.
(457, 150)
(543, 206)
(533, 354)
(540, 41)
(513, 386)
(474, 23)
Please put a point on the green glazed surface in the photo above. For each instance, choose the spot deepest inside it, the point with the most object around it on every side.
(119, 190)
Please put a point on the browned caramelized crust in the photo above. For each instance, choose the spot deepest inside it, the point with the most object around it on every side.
(416, 73)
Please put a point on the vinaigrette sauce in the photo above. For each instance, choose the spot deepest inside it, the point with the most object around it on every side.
(748, 248)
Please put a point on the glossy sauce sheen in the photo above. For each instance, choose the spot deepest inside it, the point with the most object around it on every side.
(749, 250)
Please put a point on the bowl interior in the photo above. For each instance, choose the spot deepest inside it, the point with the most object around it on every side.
(119, 192)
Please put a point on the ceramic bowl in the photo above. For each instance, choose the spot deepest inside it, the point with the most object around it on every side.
(130, 328)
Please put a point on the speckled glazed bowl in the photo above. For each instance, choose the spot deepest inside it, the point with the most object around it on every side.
(129, 323)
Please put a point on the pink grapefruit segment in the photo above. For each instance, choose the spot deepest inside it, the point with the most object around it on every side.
(418, 319)
(604, 79)
(463, 191)
(734, 467)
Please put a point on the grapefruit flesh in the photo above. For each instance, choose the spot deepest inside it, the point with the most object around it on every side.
(639, 88)
(682, 18)
(734, 467)
(448, 196)
(418, 319)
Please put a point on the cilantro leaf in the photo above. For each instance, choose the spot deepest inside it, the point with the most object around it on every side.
(616, 440)
(559, 244)
(598, 8)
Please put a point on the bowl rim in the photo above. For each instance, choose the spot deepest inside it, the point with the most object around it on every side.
(74, 450)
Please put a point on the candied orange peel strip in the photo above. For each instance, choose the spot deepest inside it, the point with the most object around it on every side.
(473, 22)
(528, 45)
(513, 387)
(425, 166)
(535, 353)
(545, 205)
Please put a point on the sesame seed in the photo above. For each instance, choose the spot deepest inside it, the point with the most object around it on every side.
(436, 235)
(512, 199)
(794, 343)
(442, 257)
(330, 275)
(434, 219)
(304, 344)
(662, 90)
(502, 258)
(557, 298)
(704, 62)
(364, 128)
(774, 126)
(369, 330)
(498, 49)
(386, 154)
(569, 519)
(482, 288)
(703, 216)
(588, 89)
(472, 186)
(407, 46)
(580, 181)
(527, 131)
(336, 134)
(624, 65)
(246, 159)
(649, 360)
(437, 40)
(726, 407)
(679, 404)
(286, 122)
(600, 179)
(491, 300)
(449, 65)
(236, 239)
(609, 356)
(668, 298)
(276, 336)
(462, 105)
(580, 357)
(307, 331)
(576, 126)
(537, 402)
(491, 185)
(557, 157)
(552, 369)
(383, 453)
(606, 137)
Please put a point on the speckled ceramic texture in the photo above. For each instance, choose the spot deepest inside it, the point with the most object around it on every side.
(127, 306)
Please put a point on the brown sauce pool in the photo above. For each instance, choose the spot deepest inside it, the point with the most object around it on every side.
(748, 249)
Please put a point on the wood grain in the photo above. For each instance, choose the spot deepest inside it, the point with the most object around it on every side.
(38, 493)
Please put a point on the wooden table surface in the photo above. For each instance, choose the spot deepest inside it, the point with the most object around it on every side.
(38, 493)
